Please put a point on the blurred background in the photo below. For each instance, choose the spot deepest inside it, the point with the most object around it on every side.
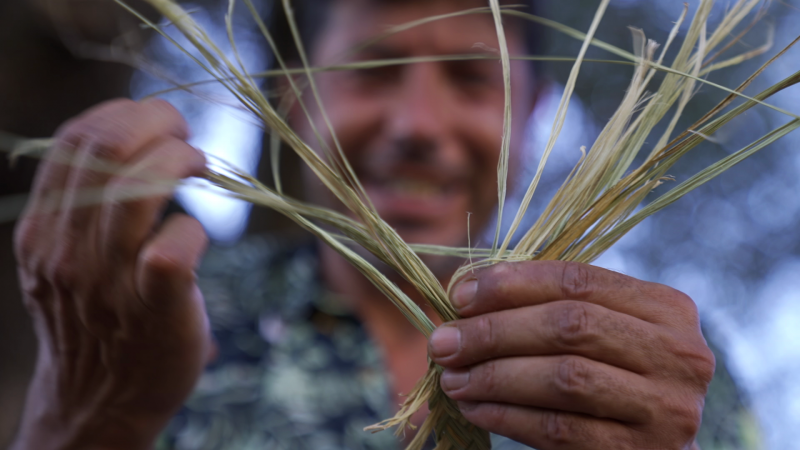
(732, 244)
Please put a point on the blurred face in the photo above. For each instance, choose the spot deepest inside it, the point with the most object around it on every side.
(423, 138)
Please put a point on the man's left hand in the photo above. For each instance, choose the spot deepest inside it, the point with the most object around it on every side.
(567, 355)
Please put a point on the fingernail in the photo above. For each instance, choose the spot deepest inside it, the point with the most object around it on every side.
(453, 380)
(465, 293)
(445, 341)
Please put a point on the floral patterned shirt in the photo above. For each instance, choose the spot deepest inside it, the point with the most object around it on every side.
(298, 371)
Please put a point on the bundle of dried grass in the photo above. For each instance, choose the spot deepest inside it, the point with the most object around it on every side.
(595, 206)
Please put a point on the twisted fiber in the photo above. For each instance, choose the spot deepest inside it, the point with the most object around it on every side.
(453, 431)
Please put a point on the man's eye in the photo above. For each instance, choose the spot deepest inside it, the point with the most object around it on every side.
(471, 75)
(375, 75)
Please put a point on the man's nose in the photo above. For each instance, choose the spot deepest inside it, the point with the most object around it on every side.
(419, 112)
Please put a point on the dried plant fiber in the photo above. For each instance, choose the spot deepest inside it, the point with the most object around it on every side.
(596, 205)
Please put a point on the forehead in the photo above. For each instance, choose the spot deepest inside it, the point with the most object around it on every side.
(352, 22)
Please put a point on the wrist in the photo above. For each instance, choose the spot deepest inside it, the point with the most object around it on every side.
(52, 422)
(99, 432)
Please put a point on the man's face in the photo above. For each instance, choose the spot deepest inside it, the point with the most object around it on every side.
(423, 138)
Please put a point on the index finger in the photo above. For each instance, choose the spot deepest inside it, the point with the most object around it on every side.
(512, 285)
(115, 128)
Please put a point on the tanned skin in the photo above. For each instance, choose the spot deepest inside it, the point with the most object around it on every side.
(551, 354)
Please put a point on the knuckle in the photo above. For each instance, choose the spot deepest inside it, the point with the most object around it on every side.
(493, 283)
(61, 270)
(493, 416)
(106, 137)
(485, 335)
(69, 134)
(694, 418)
(704, 365)
(35, 288)
(33, 277)
(687, 418)
(679, 299)
(687, 307)
(25, 240)
(679, 302)
(161, 105)
(695, 361)
(557, 428)
(73, 129)
(69, 138)
(573, 324)
(166, 265)
(170, 114)
(575, 280)
(486, 377)
(571, 376)
(174, 157)
(112, 105)
(678, 308)
(196, 159)
(111, 142)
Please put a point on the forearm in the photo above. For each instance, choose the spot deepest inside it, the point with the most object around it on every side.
(60, 425)
(96, 433)
(81, 436)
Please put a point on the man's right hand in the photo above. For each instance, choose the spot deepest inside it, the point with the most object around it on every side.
(123, 334)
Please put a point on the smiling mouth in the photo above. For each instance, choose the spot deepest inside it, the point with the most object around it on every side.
(412, 187)
(410, 199)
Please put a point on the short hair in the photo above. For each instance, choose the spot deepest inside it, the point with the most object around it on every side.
(311, 16)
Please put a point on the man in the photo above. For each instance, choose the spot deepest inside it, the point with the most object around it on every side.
(550, 355)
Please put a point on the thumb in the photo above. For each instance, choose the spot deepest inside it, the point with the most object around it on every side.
(167, 287)
(165, 277)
